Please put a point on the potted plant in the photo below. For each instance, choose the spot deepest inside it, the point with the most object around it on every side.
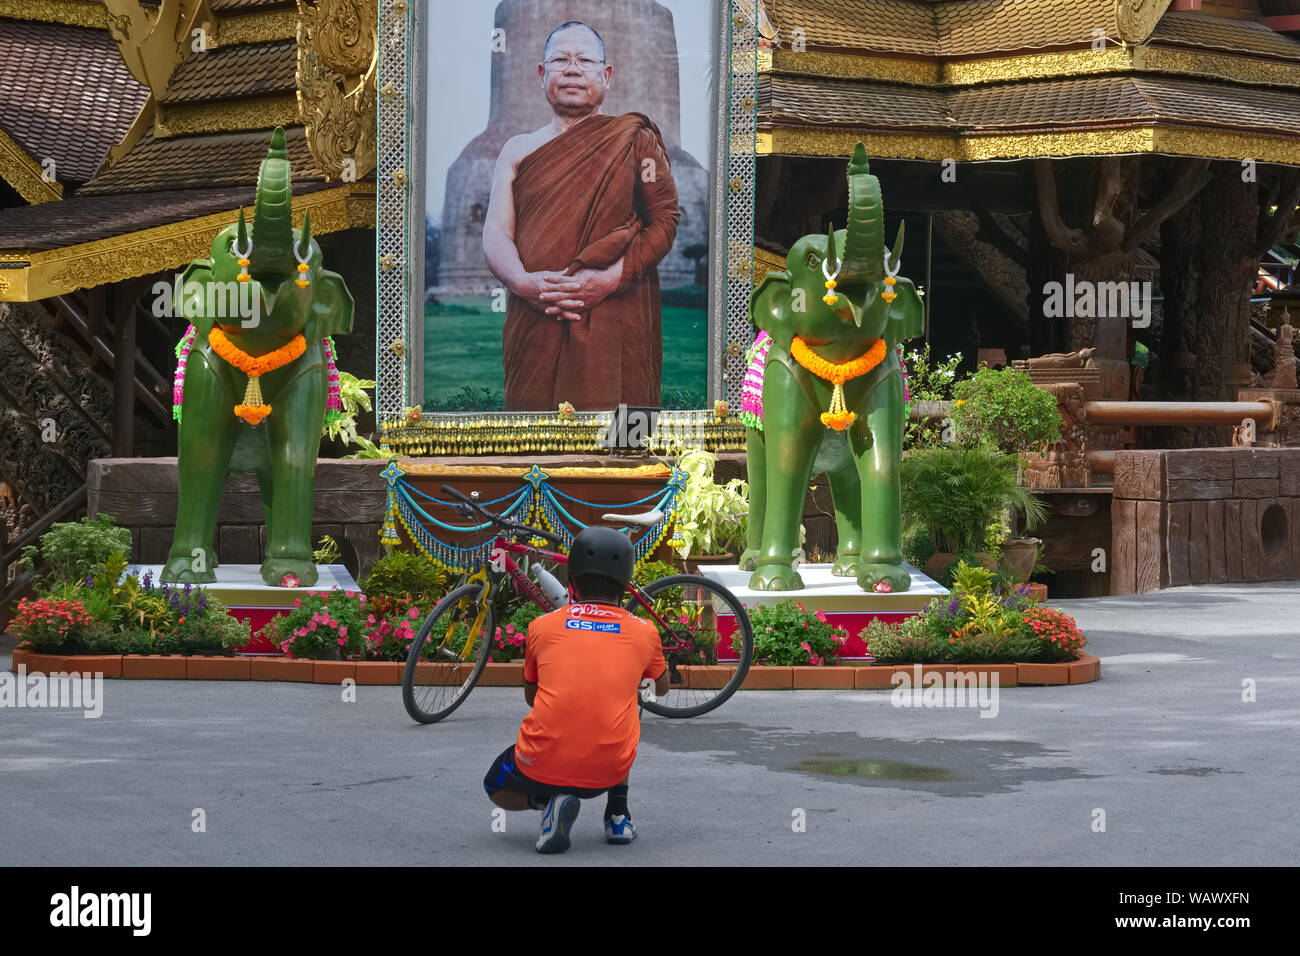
(1004, 409)
(708, 518)
(955, 493)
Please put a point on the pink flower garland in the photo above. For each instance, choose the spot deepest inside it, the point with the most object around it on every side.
(751, 392)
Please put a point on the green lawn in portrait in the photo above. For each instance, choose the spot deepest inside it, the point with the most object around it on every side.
(462, 353)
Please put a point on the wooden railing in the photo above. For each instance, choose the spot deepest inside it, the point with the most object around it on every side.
(11, 551)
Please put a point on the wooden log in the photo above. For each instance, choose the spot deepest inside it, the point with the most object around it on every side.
(1198, 554)
(1255, 488)
(1178, 527)
(1140, 474)
(364, 539)
(1150, 572)
(240, 544)
(1197, 489)
(1232, 540)
(1123, 558)
(1214, 542)
(154, 545)
(1252, 550)
(1255, 463)
(1199, 463)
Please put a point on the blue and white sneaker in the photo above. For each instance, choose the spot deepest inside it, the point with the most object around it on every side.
(619, 829)
(557, 820)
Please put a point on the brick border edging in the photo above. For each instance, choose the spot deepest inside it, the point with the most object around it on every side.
(1084, 670)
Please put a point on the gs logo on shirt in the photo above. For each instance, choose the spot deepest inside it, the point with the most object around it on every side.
(607, 627)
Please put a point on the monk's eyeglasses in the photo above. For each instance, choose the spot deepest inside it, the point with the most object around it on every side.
(585, 63)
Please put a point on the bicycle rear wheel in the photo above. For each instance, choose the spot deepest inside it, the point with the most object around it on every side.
(697, 611)
(447, 654)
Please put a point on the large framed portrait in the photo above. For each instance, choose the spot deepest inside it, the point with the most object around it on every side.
(566, 205)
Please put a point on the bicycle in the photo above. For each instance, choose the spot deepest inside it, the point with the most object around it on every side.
(451, 648)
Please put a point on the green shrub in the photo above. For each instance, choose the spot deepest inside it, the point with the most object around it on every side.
(786, 634)
(401, 579)
(49, 624)
(954, 494)
(510, 639)
(1004, 409)
(320, 624)
(74, 549)
(908, 642)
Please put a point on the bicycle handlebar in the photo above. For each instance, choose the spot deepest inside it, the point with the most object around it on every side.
(504, 523)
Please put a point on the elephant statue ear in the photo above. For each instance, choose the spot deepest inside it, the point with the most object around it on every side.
(331, 307)
(194, 280)
(769, 308)
(906, 314)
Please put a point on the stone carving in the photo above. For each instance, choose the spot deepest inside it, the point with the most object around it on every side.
(1284, 365)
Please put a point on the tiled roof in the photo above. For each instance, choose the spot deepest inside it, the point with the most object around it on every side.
(235, 72)
(83, 218)
(65, 94)
(942, 27)
(1075, 103)
(228, 7)
(210, 159)
(1222, 33)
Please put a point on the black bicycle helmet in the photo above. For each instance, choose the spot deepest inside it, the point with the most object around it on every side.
(604, 552)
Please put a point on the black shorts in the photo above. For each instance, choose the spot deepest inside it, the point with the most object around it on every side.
(505, 775)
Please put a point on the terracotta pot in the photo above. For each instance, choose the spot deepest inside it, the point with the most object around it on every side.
(1018, 557)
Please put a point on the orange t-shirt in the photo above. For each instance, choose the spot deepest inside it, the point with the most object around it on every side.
(587, 661)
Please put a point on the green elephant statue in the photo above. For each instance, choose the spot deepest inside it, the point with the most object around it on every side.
(824, 393)
(254, 375)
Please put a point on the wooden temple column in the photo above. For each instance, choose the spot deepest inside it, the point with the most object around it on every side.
(122, 301)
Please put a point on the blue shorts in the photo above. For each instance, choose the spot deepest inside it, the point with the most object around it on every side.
(504, 774)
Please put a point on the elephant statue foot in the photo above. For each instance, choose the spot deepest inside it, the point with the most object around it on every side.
(883, 578)
(749, 560)
(846, 564)
(775, 577)
(275, 570)
(180, 570)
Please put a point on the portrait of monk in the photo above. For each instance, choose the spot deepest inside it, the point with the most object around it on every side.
(581, 212)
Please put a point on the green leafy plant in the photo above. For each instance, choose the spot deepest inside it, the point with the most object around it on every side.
(908, 642)
(1003, 408)
(353, 396)
(787, 634)
(389, 638)
(75, 548)
(327, 551)
(709, 518)
(368, 449)
(956, 493)
(401, 579)
(928, 380)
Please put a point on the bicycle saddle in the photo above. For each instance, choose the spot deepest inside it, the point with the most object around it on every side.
(645, 519)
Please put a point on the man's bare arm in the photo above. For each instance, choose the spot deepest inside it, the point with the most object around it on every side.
(499, 223)
(530, 692)
(661, 685)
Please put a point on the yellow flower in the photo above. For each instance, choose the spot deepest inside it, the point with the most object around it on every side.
(959, 403)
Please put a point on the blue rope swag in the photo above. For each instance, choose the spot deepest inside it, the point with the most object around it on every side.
(536, 502)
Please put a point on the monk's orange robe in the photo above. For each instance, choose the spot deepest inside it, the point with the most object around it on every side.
(583, 200)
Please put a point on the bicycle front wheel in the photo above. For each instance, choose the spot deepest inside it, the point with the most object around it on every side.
(696, 617)
(448, 654)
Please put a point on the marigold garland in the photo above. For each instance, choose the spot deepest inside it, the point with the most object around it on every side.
(837, 416)
(253, 409)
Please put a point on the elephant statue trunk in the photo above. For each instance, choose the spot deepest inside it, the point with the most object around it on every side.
(272, 259)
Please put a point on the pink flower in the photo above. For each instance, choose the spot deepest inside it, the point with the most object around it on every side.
(498, 634)
(414, 613)
(370, 619)
(342, 641)
(821, 616)
(510, 628)
(343, 632)
(805, 625)
(302, 632)
(311, 626)
(805, 646)
(297, 602)
(814, 659)
(350, 593)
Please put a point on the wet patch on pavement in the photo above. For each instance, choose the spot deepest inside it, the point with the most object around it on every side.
(950, 768)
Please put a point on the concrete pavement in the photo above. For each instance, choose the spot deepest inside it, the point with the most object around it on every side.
(1185, 772)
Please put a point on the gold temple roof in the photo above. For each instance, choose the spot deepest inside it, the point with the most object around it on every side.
(993, 79)
(183, 154)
